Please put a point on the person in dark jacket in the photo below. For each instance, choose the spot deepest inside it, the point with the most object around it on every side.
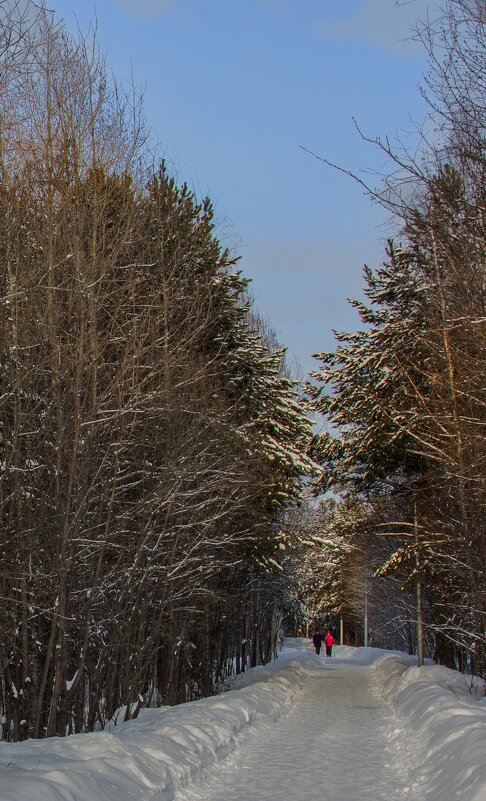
(328, 642)
(317, 640)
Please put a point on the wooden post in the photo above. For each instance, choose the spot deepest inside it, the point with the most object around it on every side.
(366, 620)
(420, 632)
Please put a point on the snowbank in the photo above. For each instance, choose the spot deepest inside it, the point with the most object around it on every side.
(446, 713)
(161, 751)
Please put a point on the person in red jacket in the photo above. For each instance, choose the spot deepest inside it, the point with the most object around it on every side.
(328, 642)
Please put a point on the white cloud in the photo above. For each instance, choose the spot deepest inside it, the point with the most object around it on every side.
(386, 24)
(144, 8)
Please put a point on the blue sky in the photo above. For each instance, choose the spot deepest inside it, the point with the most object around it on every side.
(234, 90)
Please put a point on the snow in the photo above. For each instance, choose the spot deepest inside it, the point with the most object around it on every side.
(364, 725)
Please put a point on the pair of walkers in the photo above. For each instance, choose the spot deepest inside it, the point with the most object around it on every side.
(327, 639)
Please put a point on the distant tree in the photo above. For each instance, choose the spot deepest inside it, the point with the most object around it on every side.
(331, 565)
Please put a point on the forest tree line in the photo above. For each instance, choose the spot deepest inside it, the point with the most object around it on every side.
(154, 448)
(404, 398)
(150, 434)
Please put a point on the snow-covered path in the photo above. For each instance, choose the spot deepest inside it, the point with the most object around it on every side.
(337, 743)
(301, 727)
